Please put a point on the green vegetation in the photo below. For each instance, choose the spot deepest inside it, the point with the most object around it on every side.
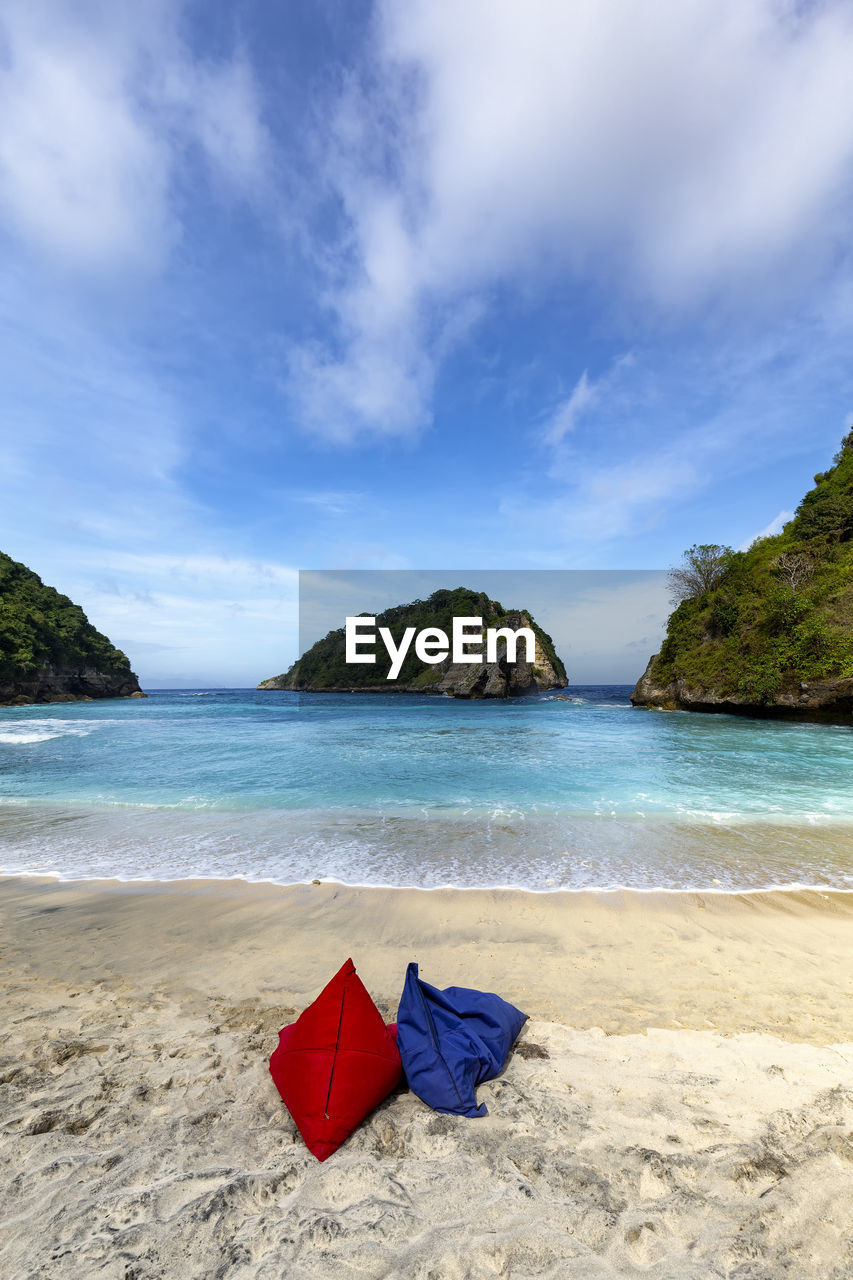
(40, 627)
(777, 614)
(324, 666)
(703, 569)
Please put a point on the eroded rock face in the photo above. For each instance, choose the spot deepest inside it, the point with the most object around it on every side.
(69, 684)
(827, 701)
(501, 679)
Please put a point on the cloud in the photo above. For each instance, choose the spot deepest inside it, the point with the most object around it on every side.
(329, 502)
(602, 498)
(675, 154)
(216, 107)
(585, 396)
(606, 502)
(381, 386)
(100, 106)
(769, 530)
(231, 571)
(565, 419)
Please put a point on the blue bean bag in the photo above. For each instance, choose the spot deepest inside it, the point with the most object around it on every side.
(452, 1040)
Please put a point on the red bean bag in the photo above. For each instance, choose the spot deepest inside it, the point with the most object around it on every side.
(335, 1063)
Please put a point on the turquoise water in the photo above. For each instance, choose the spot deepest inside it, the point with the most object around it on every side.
(538, 793)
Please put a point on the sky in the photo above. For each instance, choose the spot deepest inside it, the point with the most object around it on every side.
(377, 286)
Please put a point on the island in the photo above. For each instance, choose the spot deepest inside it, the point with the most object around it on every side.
(323, 668)
(49, 651)
(767, 631)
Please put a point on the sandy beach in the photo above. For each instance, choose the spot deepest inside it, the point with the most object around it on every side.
(680, 1102)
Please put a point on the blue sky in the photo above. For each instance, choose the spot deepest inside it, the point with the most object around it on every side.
(330, 286)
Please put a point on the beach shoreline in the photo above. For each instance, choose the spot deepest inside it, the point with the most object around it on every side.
(682, 1095)
(620, 959)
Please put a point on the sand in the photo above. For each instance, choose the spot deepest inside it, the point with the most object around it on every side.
(680, 1103)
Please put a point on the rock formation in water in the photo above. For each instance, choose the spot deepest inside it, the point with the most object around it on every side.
(827, 700)
(49, 651)
(771, 633)
(323, 667)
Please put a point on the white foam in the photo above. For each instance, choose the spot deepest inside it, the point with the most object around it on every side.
(28, 732)
(713, 890)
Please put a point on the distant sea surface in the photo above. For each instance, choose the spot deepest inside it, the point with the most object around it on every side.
(536, 793)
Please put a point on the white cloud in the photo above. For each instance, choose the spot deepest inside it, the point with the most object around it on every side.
(602, 501)
(585, 396)
(217, 107)
(677, 152)
(234, 572)
(99, 103)
(82, 175)
(606, 502)
(329, 502)
(769, 530)
(380, 386)
(565, 418)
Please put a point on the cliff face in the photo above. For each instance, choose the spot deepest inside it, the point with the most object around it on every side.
(323, 667)
(826, 701)
(68, 684)
(49, 651)
(771, 634)
(503, 679)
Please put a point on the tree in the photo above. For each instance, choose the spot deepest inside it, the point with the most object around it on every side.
(795, 569)
(703, 568)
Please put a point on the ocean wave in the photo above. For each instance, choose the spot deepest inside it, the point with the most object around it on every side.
(31, 731)
(714, 888)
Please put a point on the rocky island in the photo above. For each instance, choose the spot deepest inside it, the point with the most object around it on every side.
(767, 631)
(323, 667)
(49, 651)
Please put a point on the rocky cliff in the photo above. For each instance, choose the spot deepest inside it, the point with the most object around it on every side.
(49, 651)
(827, 701)
(504, 679)
(323, 667)
(770, 632)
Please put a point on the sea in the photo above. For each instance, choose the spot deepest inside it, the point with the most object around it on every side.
(569, 790)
